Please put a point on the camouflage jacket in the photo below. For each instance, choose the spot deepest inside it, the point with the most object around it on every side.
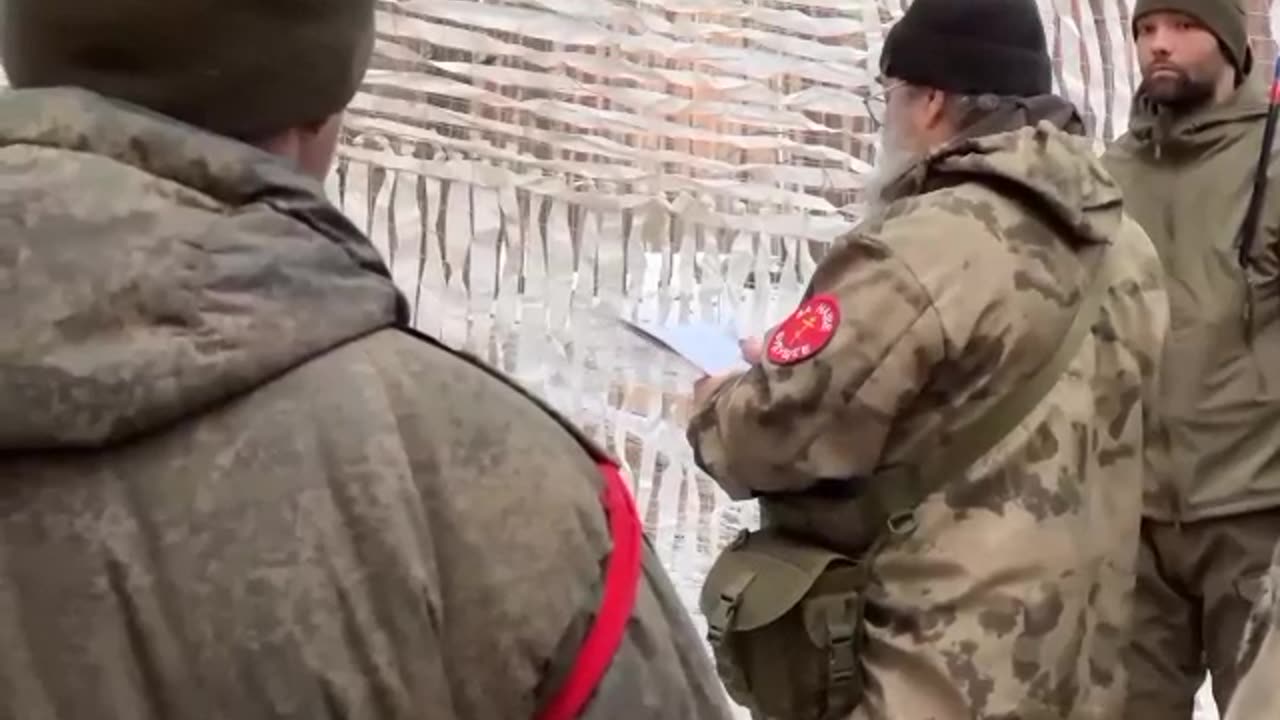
(1257, 697)
(1187, 180)
(1012, 597)
(231, 491)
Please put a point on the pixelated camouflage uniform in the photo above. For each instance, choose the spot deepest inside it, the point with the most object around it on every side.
(232, 491)
(1011, 600)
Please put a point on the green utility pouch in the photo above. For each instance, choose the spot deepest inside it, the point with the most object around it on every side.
(785, 621)
(785, 614)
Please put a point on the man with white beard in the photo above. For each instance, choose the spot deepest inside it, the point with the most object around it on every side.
(947, 436)
(895, 153)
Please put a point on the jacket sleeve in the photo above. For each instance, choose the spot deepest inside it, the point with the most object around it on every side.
(822, 410)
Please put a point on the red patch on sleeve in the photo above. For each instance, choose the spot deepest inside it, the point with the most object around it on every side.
(806, 331)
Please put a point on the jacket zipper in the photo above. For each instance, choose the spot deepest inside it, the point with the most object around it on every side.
(1170, 481)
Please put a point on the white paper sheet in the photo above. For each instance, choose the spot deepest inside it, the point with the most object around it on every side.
(710, 348)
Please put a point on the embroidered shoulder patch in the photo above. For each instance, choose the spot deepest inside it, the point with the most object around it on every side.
(806, 331)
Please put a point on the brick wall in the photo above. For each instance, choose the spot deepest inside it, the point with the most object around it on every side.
(1264, 45)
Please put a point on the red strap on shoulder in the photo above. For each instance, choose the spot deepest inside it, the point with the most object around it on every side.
(621, 582)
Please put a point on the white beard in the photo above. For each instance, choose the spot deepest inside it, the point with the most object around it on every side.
(897, 153)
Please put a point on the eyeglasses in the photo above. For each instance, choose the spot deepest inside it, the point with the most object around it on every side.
(878, 103)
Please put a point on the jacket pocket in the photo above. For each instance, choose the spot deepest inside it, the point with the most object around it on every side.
(785, 626)
(1262, 333)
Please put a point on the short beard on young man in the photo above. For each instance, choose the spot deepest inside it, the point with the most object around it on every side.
(1177, 88)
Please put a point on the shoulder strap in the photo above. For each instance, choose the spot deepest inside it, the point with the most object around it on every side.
(622, 574)
(621, 584)
(897, 492)
(1253, 211)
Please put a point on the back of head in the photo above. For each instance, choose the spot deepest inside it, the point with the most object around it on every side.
(247, 69)
(973, 47)
(958, 70)
(969, 88)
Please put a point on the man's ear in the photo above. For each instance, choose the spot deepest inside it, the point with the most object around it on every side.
(312, 145)
(315, 128)
(933, 111)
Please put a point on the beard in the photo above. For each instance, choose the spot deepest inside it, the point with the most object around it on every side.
(897, 153)
(1176, 88)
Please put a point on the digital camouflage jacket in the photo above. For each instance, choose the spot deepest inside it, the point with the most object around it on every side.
(230, 490)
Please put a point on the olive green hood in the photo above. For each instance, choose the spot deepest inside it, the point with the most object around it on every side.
(1154, 127)
(1033, 150)
(150, 270)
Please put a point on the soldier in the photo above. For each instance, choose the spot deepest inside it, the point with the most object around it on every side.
(947, 435)
(232, 485)
(1212, 512)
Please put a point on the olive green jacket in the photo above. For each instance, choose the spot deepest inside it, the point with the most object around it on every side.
(1187, 181)
(229, 489)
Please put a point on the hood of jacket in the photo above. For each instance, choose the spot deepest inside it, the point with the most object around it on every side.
(150, 271)
(1154, 128)
(1034, 150)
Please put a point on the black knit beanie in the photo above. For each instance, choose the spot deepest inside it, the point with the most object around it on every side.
(970, 47)
(247, 69)
(1224, 18)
